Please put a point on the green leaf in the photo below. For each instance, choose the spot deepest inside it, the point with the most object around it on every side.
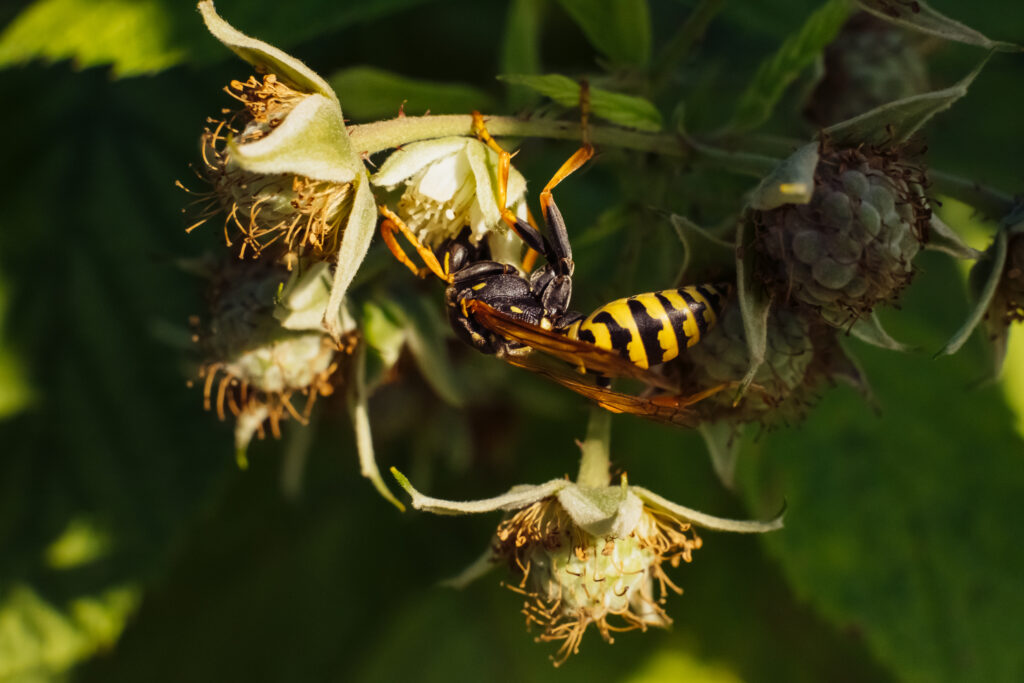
(775, 74)
(896, 121)
(520, 47)
(619, 29)
(919, 16)
(624, 110)
(792, 181)
(371, 93)
(871, 528)
(134, 37)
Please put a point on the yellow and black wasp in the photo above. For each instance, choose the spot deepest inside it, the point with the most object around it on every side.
(496, 309)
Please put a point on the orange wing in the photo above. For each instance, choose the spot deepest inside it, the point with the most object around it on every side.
(579, 354)
(668, 408)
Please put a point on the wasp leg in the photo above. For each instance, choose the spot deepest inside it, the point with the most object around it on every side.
(552, 216)
(530, 258)
(684, 401)
(392, 223)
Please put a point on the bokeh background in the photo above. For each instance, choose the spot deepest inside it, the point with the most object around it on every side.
(132, 548)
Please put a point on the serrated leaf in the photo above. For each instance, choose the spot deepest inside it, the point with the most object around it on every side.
(624, 110)
(795, 54)
(896, 121)
(520, 47)
(870, 543)
(372, 93)
(755, 303)
(792, 181)
(619, 29)
(132, 36)
(919, 16)
(985, 277)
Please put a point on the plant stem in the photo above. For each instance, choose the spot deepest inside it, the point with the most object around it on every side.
(370, 138)
(594, 459)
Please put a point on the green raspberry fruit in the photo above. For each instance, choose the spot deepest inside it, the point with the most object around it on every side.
(852, 246)
(869, 64)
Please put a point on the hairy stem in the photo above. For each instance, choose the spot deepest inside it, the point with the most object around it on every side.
(370, 138)
(594, 460)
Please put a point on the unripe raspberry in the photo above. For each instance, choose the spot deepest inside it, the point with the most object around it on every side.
(723, 357)
(869, 64)
(255, 367)
(852, 246)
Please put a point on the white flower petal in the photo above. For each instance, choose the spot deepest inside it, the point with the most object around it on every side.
(258, 53)
(707, 521)
(443, 178)
(411, 159)
(311, 141)
(484, 172)
(516, 498)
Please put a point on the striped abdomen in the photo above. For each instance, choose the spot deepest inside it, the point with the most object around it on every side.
(648, 329)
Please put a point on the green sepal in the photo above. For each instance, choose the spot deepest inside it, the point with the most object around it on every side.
(358, 410)
(624, 110)
(894, 122)
(984, 280)
(941, 237)
(754, 301)
(355, 242)
(704, 254)
(870, 331)
(722, 439)
(919, 16)
(264, 57)
(792, 181)
(612, 511)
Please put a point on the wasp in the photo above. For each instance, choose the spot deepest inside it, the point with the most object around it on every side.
(499, 310)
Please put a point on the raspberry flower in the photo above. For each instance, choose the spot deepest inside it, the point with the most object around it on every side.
(588, 553)
(283, 168)
(450, 183)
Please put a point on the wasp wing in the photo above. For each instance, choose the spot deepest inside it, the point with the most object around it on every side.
(581, 355)
(666, 408)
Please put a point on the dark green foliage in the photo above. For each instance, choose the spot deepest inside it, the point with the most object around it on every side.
(901, 557)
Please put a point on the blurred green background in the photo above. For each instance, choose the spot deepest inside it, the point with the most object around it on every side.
(133, 549)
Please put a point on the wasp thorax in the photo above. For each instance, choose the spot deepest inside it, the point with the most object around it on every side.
(870, 63)
(573, 578)
(254, 365)
(852, 246)
(284, 213)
